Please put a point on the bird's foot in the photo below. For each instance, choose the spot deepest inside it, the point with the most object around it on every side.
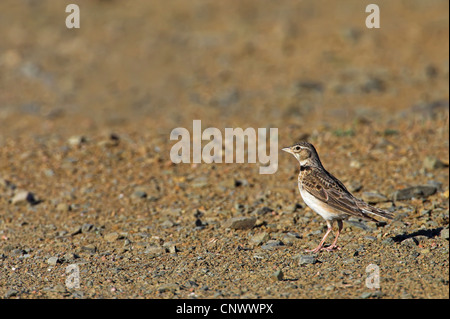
(332, 248)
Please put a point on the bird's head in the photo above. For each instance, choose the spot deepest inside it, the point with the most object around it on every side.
(305, 153)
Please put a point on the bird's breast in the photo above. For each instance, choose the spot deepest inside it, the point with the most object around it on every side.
(321, 208)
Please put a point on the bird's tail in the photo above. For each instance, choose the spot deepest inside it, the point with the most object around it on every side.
(373, 211)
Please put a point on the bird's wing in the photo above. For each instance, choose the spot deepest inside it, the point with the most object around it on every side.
(331, 191)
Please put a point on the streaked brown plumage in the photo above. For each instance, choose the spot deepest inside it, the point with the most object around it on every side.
(326, 195)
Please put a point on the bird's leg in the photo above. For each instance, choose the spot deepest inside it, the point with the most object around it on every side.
(319, 247)
(333, 245)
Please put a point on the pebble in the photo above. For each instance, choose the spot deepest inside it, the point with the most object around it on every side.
(432, 162)
(369, 294)
(138, 194)
(361, 225)
(355, 164)
(272, 244)
(409, 242)
(169, 246)
(23, 197)
(52, 261)
(240, 223)
(294, 208)
(421, 191)
(168, 287)
(373, 198)
(110, 141)
(89, 248)
(355, 186)
(444, 233)
(290, 238)
(277, 276)
(155, 251)
(200, 182)
(11, 293)
(7, 184)
(168, 223)
(111, 237)
(86, 228)
(260, 238)
(59, 288)
(76, 140)
(70, 257)
(63, 207)
(306, 259)
(264, 210)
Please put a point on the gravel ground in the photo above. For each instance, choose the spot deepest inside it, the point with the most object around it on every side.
(91, 205)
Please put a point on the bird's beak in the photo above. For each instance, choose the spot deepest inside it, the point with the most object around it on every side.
(287, 149)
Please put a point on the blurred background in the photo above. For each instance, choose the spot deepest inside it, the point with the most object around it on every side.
(155, 65)
(85, 122)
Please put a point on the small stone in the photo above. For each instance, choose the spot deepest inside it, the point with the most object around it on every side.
(370, 294)
(168, 287)
(406, 295)
(290, 237)
(373, 198)
(70, 257)
(59, 288)
(277, 276)
(75, 231)
(240, 182)
(306, 259)
(24, 197)
(444, 233)
(432, 162)
(155, 251)
(89, 248)
(264, 210)
(63, 207)
(86, 228)
(200, 182)
(355, 164)
(272, 244)
(7, 184)
(410, 242)
(425, 212)
(18, 252)
(421, 191)
(355, 187)
(52, 261)
(361, 225)
(111, 237)
(111, 141)
(260, 238)
(168, 223)
(49, 172)
(11, 293)
(76, 140)
(138, 195)
(240, 223)
(294, 208)
(169, 246)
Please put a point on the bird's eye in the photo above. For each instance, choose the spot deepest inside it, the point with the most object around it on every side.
(297, 148)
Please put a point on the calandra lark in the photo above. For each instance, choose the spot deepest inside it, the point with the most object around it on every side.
(326, 195)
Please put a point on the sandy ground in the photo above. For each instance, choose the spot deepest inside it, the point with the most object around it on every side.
(91, 205)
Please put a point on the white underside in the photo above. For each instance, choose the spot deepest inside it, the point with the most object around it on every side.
(318, 206)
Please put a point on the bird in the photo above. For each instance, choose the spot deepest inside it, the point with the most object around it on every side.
(328, 196)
